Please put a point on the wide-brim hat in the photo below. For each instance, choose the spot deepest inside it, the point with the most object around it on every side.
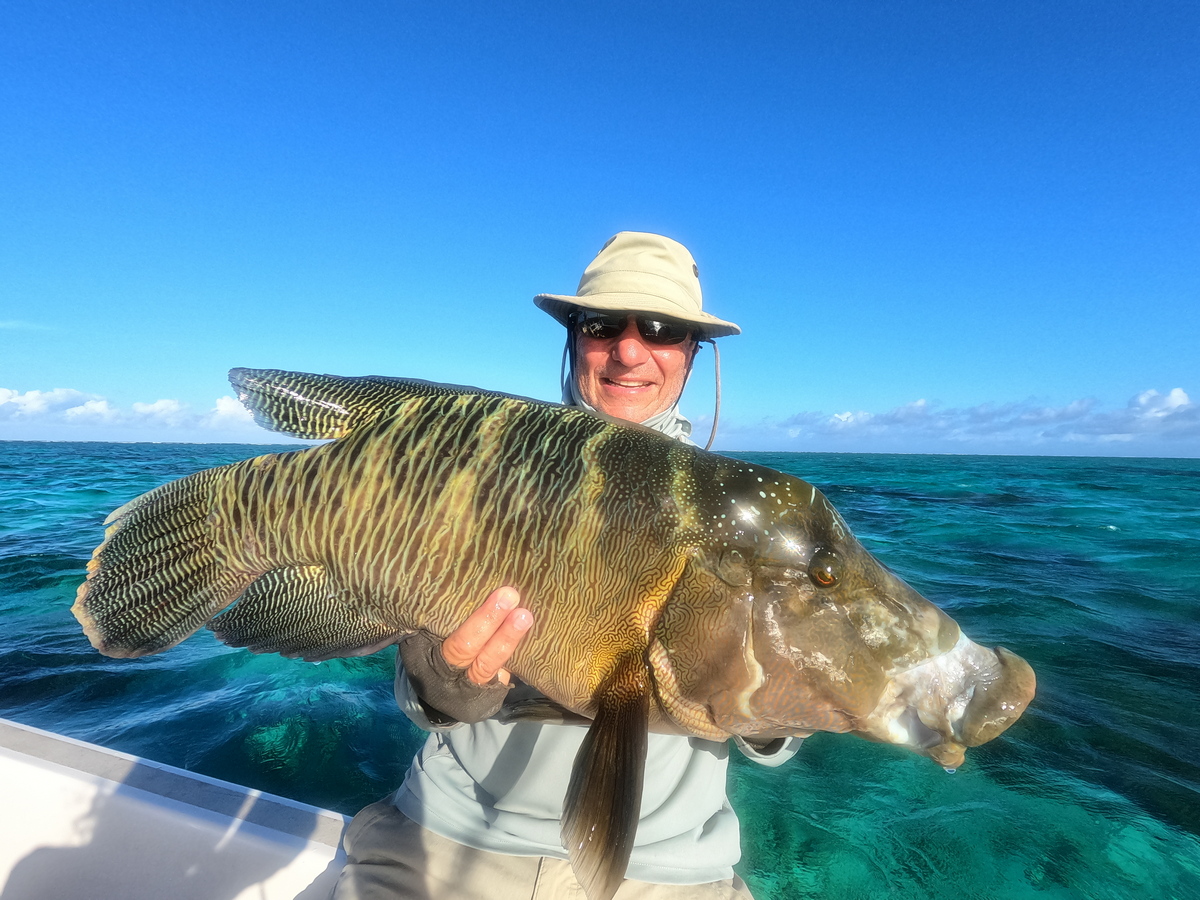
(641, 273)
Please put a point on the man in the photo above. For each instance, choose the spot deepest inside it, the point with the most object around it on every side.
(478, 813)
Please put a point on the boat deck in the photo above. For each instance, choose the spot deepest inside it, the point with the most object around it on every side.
(84, 821)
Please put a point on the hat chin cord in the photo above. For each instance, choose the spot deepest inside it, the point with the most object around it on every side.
(566, 371)
(717, 409)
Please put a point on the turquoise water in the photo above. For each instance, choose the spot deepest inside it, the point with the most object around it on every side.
(1089, 568)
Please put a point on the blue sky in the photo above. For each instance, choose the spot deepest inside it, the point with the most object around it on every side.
(957, 227)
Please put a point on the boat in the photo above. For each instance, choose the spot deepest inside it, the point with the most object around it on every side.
(82, 820)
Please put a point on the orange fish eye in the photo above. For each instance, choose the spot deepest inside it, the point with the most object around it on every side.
(823, 568)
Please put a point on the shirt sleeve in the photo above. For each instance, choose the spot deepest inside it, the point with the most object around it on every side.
(776, 753)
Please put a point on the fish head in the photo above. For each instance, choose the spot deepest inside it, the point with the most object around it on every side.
(783, 624)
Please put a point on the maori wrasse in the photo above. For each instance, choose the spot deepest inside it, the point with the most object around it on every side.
(673, 590)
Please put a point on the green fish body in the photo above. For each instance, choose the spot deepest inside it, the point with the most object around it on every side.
(673, 590)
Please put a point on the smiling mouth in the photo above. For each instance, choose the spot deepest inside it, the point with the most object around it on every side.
(626, 385)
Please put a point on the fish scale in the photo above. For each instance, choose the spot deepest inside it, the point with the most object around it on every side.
(672, 589)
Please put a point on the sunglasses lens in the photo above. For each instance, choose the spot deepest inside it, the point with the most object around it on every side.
(663, 332)
(603, 327)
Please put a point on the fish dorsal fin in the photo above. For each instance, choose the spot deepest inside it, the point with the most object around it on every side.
(604, 799)
(322, 407)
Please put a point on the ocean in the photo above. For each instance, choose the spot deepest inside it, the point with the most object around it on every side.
(1089, 568)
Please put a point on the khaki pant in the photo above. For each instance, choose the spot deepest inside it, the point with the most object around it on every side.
(391, 857)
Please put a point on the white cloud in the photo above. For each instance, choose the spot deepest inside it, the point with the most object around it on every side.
(229, 409)
(35, 403)
(91, 411)
(1151, 422)
(159, 408)
(164, 412)
(1154, 403)
(71, 415)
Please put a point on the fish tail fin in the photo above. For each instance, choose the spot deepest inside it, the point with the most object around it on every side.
(156, 577)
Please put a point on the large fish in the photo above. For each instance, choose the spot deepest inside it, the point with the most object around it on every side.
(673, 590)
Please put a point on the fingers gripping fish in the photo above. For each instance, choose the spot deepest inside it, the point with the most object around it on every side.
(673, 590)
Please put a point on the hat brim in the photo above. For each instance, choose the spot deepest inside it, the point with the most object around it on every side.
(560, 307)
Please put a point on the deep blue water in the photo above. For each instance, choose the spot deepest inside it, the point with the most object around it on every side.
(1089, 568)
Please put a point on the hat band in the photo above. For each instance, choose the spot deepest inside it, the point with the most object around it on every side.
(649, 284)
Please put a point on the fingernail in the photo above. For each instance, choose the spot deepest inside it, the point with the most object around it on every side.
(509, 600)
(523, 620)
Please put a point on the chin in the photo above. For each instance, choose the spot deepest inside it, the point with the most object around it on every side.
(640, 414)
(635, 408)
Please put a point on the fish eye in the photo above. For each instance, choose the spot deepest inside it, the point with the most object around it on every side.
(824, 568)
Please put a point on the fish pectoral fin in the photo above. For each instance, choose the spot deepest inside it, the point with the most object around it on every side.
(540, 709)
(299, 611)
(600, 814)
(321, 407)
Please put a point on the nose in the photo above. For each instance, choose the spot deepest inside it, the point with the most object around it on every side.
(629, 349)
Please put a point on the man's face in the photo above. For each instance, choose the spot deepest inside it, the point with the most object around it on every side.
(628, 377)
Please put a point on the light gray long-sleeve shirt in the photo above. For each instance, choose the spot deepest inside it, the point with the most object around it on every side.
(500, 787)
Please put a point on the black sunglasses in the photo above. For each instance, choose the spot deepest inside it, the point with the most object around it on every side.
(604, 326)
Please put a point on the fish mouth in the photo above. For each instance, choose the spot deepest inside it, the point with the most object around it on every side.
(914, 733)
(958, 699)
(947, 751)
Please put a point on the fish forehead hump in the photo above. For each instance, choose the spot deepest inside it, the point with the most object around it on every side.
(785, 623)
(782, 538)
(764, 516)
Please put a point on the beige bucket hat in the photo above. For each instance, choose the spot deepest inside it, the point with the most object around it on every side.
(641, 273)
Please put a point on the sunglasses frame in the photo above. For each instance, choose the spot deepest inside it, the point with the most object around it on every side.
(647, 327)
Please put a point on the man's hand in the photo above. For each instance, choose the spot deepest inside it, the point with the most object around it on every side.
(486, 640)
(462, 678)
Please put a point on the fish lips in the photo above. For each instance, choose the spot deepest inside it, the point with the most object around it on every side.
(996, 704)
(958, 699)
